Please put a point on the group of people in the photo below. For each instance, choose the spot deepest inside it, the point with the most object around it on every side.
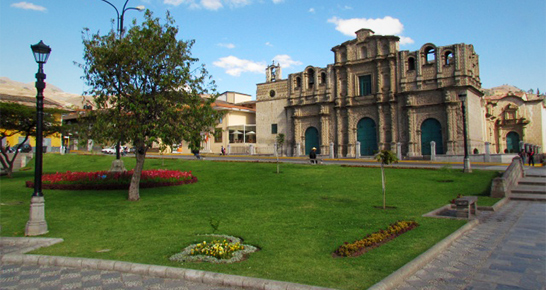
(529, 155)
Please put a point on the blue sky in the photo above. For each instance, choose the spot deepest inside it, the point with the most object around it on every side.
(236, 39)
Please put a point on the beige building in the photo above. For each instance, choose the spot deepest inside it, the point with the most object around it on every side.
(375, 97)
(236, 131)
(513, 116)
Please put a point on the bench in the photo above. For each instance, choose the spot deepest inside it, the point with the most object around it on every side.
(466, 206)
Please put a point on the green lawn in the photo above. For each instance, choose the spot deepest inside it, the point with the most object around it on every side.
(297, 218)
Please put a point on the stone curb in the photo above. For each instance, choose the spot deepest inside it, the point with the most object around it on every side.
(409, 269)
(191, 275)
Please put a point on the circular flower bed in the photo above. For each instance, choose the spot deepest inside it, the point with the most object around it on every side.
(225, 250)
(100, 180)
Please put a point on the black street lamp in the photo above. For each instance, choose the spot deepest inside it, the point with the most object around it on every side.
(37, 225)
(466, 168)
(120, 29)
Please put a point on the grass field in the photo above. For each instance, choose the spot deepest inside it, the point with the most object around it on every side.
(297, 218)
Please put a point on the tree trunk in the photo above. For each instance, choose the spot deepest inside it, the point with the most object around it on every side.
(383, 186)
(134, 188)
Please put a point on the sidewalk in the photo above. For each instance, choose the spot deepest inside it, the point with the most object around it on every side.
(506, 250)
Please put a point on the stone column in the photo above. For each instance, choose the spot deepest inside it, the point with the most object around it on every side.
(251, 149)
(229, 149)
(432, 150)
(298, 149)
(37, 224)
(357, 149)
(487, 157)
(381, 126)
(412, 131)
(332, 150)
(399, 150)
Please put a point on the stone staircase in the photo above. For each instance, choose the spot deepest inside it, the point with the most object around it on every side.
(532, 186)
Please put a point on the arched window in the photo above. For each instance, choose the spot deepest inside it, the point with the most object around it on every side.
(322, 78)
(310, 78)
(411, 63)
(298, 82)
(448, 58)
(430, 54)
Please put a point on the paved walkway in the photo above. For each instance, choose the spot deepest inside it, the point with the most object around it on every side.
(506, 250)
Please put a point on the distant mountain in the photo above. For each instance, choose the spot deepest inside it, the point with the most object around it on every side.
(14, 88)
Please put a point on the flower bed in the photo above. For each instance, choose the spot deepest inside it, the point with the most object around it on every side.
(226, 251)
(100, 180)
(374, 240)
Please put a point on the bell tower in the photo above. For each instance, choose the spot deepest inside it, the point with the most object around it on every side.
(273, 73)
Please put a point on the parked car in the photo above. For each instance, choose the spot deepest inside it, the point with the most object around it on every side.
(109, 150)
(25, 148)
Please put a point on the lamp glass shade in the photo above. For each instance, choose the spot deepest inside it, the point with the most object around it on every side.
(41, 52)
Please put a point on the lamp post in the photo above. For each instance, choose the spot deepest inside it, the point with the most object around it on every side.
(466, 168)
(36, 224)
(120, 18)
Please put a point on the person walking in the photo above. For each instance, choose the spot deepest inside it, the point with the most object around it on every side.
(313, 155)
(531, 157)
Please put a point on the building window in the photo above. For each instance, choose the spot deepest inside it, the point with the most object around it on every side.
(273, 128)
(411, 63)
(298, 82)
(365, 84)
(272, 93)
(323, 78)
(310, 78)
(448, 58)
(218, 135)
(430, 54)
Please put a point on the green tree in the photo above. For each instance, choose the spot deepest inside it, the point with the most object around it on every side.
(20, 119)
(146, 89)
(386, 157)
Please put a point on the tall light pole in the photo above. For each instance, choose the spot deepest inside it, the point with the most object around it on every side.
(120, 18)
(466, 168)
(36, 224)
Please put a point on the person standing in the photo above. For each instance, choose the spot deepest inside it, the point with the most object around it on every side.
(313, 155)
(531, 157)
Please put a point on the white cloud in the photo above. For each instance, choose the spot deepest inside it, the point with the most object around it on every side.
(382, 26)
(311, 10)
(269, 44)
(234, 66)
(286, 61)
(238, 3)
(212, 4)
(227, 45)
(209, 4)
(278, 1)
(28, 6)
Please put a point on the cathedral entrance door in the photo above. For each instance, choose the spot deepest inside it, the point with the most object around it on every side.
(366, 134)
(512, 142)
(431, 130)
(311, 140)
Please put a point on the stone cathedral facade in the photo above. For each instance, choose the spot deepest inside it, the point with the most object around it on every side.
(373, 97)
